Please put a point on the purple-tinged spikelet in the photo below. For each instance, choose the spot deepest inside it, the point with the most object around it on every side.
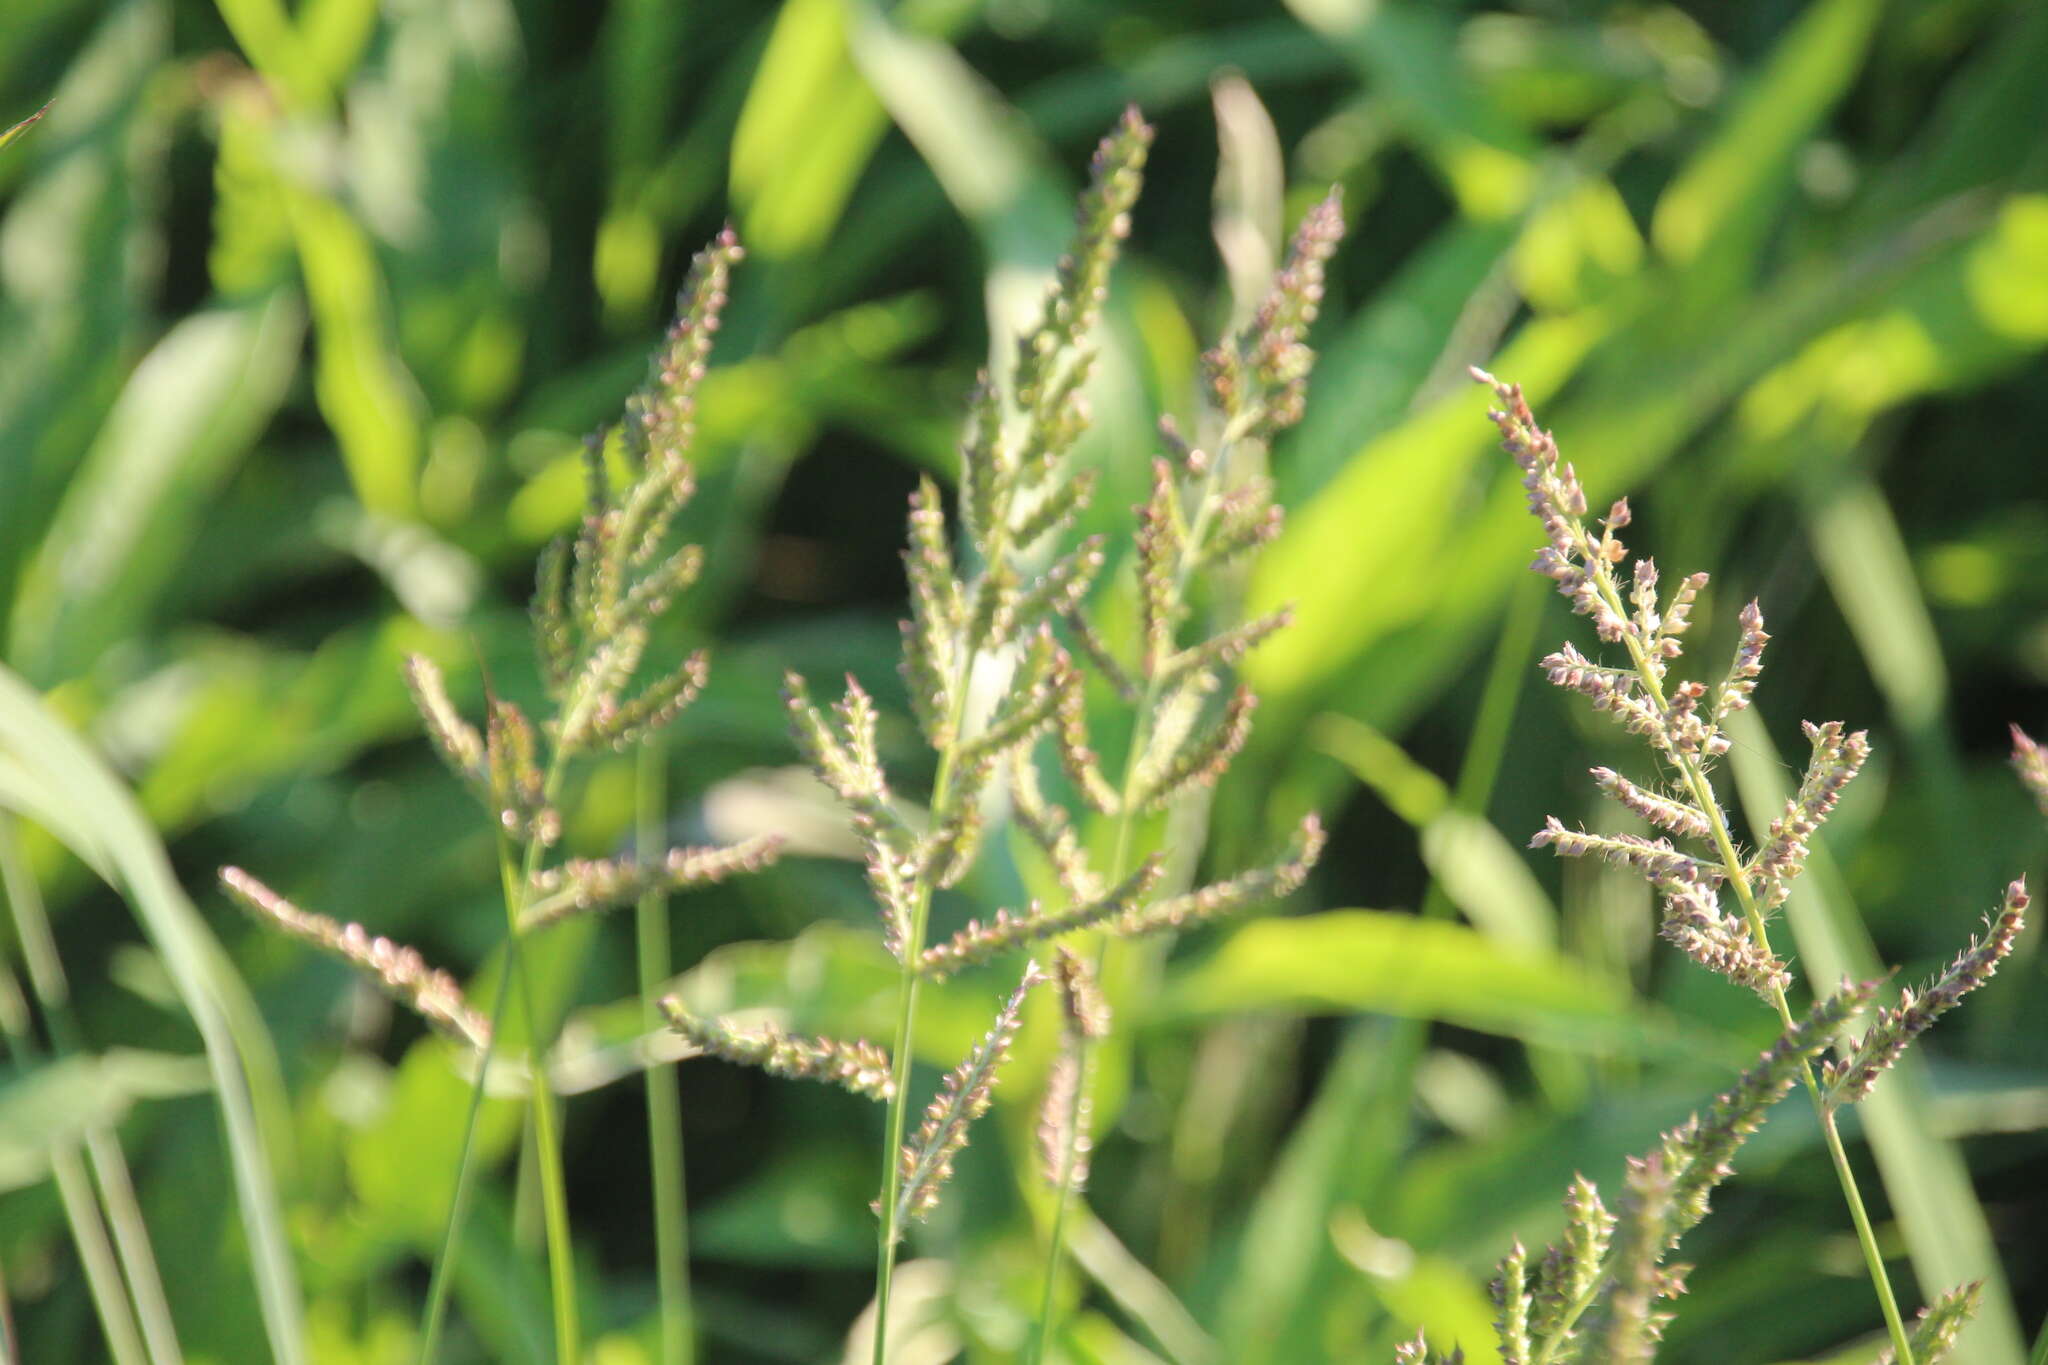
(581, 885)
(1672, 814)
(1052, 830)
(926, 1162)
(1098, 652)
(1653, 858)
(518, 792)
(1063, 1114)
(979, 942)
(2030, 761)
(1850, 1079)
(1261, 376)
(1273, 882)
(1706, 1144)
(1837, 757)
(1634, 1322)
(1694, 924)
(1076, 754)
(1160, 540)
(858, 1066)
(1420, 1352)
(1572, 1264)
(1225, 649)
(1081, 282)
(455, 739)
(1740, 685)
(1246, 518)
(1062, 588)
(401, 971)
(1201, 760)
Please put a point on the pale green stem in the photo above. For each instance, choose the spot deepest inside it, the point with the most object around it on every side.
(664, 1113)
(899, 1107)
(465, 1183)
(547, 1143)
(1126, 830)
(1702, 790)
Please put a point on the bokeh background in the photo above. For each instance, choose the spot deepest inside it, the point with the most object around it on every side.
(305, 309)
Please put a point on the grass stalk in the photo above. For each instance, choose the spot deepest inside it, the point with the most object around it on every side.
(465, 1185)
(664, 1113)
(906, 1032)
(547, 1142)
(120, 1268)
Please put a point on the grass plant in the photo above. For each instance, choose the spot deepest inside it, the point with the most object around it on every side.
(304, 311)
(1598, 1294)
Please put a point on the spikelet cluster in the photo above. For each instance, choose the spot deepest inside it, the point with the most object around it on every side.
(1850, 1079)
(926, 1161)
(401, 971)
(1935, 1331)
(1605, 1280)
(858, 1066)
(2030, 761)
(599, 597)
(599, 593)
(1064, 1140)
(584, 884)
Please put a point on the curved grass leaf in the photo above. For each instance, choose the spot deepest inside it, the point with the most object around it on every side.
(62, 784)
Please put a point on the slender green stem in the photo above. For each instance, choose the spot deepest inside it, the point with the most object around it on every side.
(465, 1184)
(1697, 782)
(547, 1143)
(121, 1273)
(664, 1113)
(899, 1107)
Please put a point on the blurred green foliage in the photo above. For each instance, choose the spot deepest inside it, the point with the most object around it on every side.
(303, 312)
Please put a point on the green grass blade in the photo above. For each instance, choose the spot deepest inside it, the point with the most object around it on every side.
(664, 1112)
(118, 841)
(1348, 961)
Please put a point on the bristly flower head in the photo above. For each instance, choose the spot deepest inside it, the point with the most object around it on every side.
(599, 595)
(1939, 1324)
(858, 1066)
(401, 971)
(1591, 1275)
(926, 1161)
(1850, 1079)
(1259, 379)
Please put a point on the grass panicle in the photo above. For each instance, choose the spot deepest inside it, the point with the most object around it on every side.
(1685, 733)
(600, 597)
